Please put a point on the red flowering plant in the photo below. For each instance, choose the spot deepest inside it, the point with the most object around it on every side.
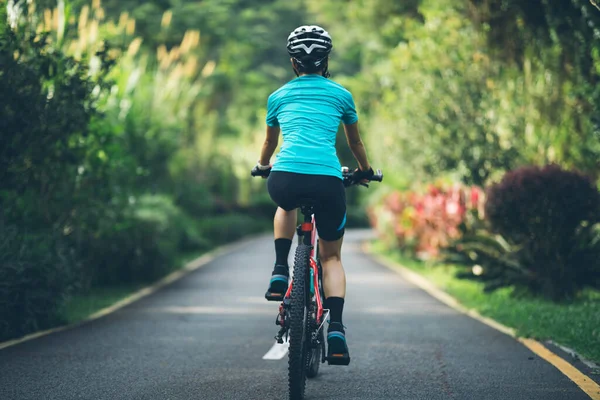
(421, 222)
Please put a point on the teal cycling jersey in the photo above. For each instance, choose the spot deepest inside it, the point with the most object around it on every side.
(308, 110)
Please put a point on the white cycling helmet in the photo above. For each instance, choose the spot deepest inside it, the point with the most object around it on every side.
(309, 46)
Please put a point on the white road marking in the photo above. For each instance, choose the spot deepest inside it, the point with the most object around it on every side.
(278, 351)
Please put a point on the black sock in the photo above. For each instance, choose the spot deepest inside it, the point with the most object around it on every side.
(335, 306)
(282, 250)
(281, 270)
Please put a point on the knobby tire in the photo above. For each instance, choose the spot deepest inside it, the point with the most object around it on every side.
(314, 358)
(298, 350)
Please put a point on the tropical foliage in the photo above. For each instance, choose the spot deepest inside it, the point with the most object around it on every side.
(541, 234)
(127, 127)
(466, 91)
(117, 155)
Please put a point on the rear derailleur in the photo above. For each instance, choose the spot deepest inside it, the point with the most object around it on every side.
(282, 320)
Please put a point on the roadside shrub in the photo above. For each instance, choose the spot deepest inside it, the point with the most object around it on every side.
(37, 274)
(47, 100)
(219, 229)
(542, 234)
(140, 242)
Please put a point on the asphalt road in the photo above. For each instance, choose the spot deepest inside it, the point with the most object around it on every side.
(204, 337)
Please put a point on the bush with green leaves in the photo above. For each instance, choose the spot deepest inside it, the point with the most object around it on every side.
(71, 212)
(224, 228)
(138, 242)
(541, 234)
(46, 105)
(37, 274)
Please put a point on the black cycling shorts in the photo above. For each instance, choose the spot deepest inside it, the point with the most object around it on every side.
(287, 188)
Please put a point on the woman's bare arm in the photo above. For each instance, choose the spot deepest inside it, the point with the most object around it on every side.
(270, 145)
(357, 146)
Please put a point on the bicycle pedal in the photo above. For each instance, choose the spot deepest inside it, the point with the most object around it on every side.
(338, 359)
(274, 296)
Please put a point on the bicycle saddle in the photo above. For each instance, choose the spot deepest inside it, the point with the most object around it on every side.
(307, 203)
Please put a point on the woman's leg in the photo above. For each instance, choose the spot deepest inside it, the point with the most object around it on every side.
(334, 278)
(331, 222)
(284, 227)
(280, 186)
(284, 223)
(334, 286)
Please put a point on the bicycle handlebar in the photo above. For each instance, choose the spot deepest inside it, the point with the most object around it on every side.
(346, 175)
(348, 181)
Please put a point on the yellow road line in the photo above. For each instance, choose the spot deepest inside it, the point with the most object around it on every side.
(584, 382)
(172, 277)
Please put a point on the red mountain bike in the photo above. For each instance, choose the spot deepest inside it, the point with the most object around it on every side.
(301, 315)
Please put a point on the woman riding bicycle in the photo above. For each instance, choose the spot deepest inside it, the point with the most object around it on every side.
(308, 111)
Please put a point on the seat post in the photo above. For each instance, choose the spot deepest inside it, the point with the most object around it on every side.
(307, 211)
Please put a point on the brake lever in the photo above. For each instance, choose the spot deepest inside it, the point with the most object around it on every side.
(364, 184)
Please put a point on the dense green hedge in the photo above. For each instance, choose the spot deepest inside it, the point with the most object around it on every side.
(91, 196)
(38, 271)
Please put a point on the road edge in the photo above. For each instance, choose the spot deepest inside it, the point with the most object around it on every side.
(585, 383)
(188, 268)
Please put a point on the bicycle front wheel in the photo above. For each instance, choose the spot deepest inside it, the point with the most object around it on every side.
(299, 336)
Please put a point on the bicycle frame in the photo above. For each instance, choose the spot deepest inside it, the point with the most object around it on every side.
(309, 234)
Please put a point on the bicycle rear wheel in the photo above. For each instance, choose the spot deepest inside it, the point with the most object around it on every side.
(299, 350)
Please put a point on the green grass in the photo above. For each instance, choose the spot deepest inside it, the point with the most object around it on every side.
(575, 325)
(82, 306)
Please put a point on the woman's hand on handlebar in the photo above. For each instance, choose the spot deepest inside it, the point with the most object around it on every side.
(358, 177)
(362, 176)
(261, 170)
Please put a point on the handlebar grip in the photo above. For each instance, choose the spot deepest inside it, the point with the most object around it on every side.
(378, 177)
(349, 181)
